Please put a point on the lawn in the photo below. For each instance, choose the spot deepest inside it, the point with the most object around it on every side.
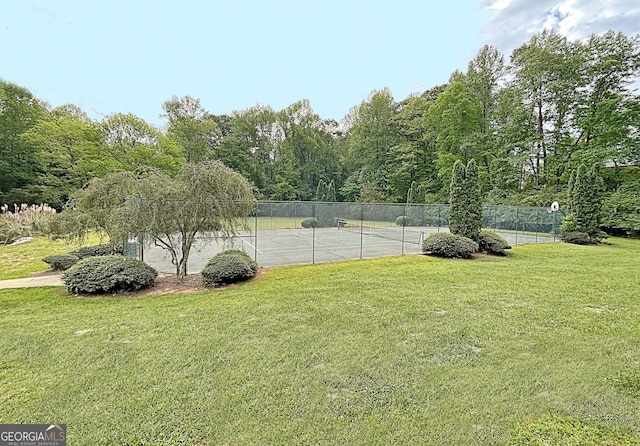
(22, 260)
(541, 347)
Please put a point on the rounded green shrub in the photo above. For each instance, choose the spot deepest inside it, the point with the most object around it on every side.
(491, 243)
(404, 220)
(310, 222)
(108, 274)
(61, 262)
(577, 238)
(445, 244)
(103, 249)
(229, 267)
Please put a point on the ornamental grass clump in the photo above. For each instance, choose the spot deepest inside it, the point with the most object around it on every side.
(23, 221)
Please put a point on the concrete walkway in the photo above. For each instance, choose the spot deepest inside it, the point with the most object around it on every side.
(28, 282)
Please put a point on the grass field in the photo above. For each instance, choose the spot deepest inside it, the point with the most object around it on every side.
(21, 260)
(538, 348)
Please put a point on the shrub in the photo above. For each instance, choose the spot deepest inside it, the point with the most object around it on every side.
(445, 244)
(491, 243)
(61, 262)
(229, 267)
(310, 222)
(108, 274)
(577, 238)
(96, 251)
(405, 220)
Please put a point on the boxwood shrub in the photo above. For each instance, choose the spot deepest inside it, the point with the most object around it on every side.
(491, 243)
(229, 267)
(61, 262)
(445, 244)
(577, 238)
(310, 222)
(108, 274)
(404, 220)
(103, 249)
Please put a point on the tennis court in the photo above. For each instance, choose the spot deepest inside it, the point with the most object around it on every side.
(278, 247)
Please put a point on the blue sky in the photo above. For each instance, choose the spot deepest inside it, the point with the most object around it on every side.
(130, 56)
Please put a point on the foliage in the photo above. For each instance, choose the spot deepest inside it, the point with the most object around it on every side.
(326, 192)
(103, 249)
(108, 274)
(465, 201)
(585, 202)
(204, 197)
(310, 222)
(405, 220)
(192, 128)
(61, 262)
(23, 221)
(444, 244)
(559, 103)
(569, 225)
(69, 153)
(621, 211)
(491, 243)
(131, 144)
(20, 110)
(229, 267)
(577, 238)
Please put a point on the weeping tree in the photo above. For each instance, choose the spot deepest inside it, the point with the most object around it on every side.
(98, 207)
(205, 197)
(465, 201)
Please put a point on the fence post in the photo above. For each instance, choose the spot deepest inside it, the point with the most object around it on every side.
(361, 228)
(255, 239)
(403, 225)
(537, 225)
(517, 221)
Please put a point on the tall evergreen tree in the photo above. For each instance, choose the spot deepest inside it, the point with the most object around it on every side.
(586, 201)
(473, 222)
(465, 203)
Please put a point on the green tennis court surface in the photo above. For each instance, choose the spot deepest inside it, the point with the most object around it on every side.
(279, 247)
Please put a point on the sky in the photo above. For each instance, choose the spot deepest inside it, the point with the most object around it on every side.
(130, 56)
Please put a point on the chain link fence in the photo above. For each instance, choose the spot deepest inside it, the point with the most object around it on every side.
(290, 233)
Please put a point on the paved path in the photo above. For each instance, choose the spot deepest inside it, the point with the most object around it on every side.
(28, 282)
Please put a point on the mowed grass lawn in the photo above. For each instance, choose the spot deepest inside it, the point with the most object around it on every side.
(540, 347)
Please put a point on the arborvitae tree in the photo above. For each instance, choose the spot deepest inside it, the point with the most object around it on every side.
(326, 191)
(416, 194)
(473, 222)
(572, 181)
(585, 201)
(465, 204)
(457, 199)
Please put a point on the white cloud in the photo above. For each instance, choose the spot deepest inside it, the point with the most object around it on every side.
(515, 21)
(494, 4)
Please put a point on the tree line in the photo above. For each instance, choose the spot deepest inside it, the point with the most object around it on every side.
(527, 123)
